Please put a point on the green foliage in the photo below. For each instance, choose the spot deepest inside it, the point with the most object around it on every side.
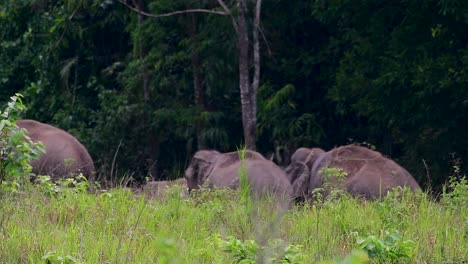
(402, 63)
(77, 184)
(455, 194)
(53, 258)
(280, 122)
(247, 251)
(331, 189)
(388, 248)
(333, 177)
(16, 148)
(240, 251)
(119, 227)
(395, 208)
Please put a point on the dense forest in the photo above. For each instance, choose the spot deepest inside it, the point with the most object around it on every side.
(143, 92)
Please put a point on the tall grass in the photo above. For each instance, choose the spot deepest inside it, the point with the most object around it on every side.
(212, 226)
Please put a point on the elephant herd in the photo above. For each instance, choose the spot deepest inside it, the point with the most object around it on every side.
(364, 172)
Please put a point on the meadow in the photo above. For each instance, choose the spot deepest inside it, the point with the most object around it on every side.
(53, 223)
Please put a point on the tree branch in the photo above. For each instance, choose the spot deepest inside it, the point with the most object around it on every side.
(265, 40)
(228, 12)
(175, 12)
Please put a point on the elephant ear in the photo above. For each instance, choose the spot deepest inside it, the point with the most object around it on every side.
(299, 175)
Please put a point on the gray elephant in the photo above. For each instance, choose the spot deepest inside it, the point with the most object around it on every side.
(156, 189)
(367, 172)
(221, 170)
(64, 156)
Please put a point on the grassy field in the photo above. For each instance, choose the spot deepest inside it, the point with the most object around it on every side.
(46, 224)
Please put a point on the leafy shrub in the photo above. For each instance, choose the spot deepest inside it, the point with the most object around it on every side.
(77, 184)
(240, 251)
(247, 252)
(455, 194)
(393, 211)
(16, 148)
(389, 248)
(331, 189)
(54, 258)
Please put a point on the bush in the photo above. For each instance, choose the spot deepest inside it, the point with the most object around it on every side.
(16, 148)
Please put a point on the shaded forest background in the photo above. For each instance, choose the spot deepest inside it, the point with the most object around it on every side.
(393, 74)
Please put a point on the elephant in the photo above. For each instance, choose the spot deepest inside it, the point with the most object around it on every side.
(368, 173)
(221, 170)
(64, 155)
(158, 188)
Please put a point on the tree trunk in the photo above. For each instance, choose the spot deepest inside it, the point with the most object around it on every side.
(256, 57)
(249, 121)
(197, 76)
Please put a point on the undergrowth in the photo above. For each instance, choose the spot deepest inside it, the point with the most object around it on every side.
(212, 226)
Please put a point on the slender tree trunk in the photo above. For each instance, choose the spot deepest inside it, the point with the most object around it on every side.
(256, 57)
(197, 75)
(248, 114)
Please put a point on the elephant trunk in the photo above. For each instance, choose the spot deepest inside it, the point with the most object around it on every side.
(301, 182)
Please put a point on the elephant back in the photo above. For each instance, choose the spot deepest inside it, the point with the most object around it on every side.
(64, 156)
(263, 175)
(227, 159)
(352, 158)
(369, 173)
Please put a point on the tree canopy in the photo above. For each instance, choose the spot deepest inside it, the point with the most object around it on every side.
(143, 93)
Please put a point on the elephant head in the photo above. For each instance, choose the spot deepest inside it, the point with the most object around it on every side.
(200, 167)
(65, 155)
(299, 171)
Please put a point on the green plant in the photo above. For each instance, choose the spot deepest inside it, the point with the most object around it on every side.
(331, 190)
(240, 251)
(54, 258)
(76, 184)
(247, 251)
(286, 253)
(16, 148)
(46, 185)
(455, 193)
(393, 210)
(333, 177)
(387, 248)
